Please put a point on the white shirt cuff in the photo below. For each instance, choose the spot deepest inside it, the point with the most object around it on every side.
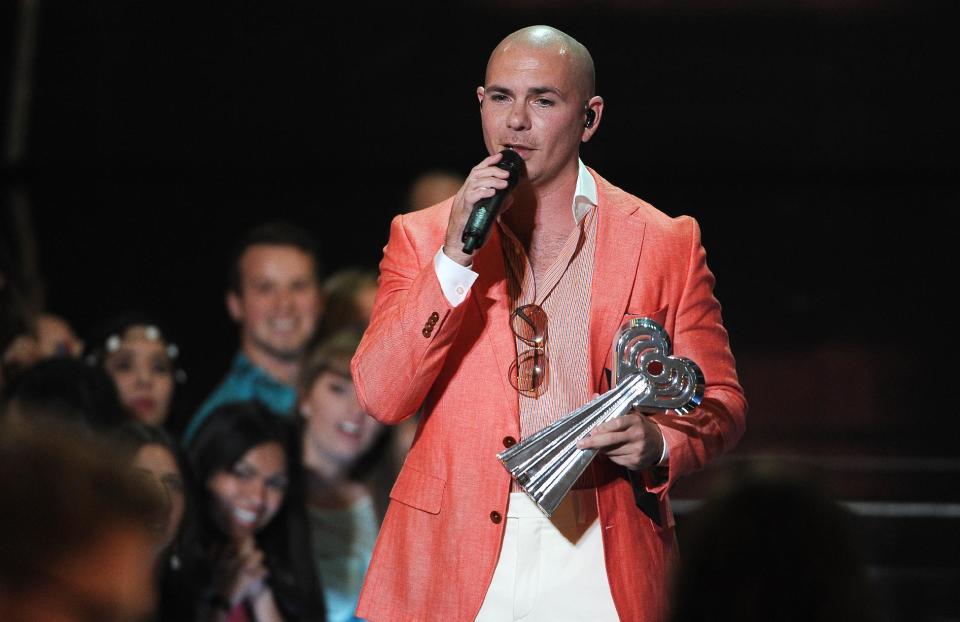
(666, 450)
(455, 280)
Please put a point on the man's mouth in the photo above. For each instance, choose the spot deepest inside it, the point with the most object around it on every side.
(283, 325)
(522, 150)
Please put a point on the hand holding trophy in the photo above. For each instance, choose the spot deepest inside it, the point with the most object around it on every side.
(645, 376)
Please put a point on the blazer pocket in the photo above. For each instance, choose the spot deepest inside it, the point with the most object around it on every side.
(659, 316)
(418, 490)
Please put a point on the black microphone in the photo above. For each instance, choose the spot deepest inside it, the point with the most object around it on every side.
(485, 211)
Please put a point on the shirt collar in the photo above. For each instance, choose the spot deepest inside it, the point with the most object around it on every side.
(585, 196)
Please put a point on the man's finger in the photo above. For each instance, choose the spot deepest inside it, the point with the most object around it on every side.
(604, 440)
(617, 424)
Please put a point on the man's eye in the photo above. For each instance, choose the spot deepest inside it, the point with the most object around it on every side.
(543, 102)
(498, 97)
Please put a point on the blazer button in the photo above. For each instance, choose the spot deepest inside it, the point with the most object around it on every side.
(427, 331)
(509, 441)
(496, 517)
(434, 317)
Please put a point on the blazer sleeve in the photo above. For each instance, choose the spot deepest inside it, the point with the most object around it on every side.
(718, 423)
(411, 330)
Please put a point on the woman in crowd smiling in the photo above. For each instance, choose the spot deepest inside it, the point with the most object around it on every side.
(349, 472)
(254, 547)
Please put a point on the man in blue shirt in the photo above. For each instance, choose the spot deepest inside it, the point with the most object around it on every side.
(274, 295)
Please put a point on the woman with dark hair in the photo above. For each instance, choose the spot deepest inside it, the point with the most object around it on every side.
(143, 362)
(254, 554)
(349, 472)
(151, 452)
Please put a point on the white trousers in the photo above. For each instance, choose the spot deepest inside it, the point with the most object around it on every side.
(550, 569)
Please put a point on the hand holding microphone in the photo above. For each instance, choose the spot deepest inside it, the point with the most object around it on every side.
(483, 196)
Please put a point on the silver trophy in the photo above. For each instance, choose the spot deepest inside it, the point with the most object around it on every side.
(645, 376)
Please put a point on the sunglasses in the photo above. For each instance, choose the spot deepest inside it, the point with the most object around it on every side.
(528, 373)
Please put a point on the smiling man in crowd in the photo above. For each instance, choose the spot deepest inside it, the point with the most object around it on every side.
(274, 295)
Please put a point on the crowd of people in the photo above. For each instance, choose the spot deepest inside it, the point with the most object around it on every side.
(269, 499)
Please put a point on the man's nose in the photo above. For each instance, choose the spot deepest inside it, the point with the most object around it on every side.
(518, 119)
(284, 299)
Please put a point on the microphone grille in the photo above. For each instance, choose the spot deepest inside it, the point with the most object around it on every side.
(512, 163)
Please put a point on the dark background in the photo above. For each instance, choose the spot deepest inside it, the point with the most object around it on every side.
(815, 142)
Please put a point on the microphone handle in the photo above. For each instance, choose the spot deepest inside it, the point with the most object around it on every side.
(485, 211)
(481, 219)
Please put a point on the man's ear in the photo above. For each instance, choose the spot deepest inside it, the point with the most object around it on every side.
(480, 95)
(234, 306)
(594, 105)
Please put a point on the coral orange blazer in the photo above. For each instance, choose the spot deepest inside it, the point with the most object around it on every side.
(441, 536)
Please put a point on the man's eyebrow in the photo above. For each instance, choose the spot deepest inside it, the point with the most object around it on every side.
(499, 89)
(536, 90)
(540, 90)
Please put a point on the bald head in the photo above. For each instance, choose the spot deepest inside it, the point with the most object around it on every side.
(547, 38)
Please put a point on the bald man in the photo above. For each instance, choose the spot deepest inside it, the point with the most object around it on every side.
(498, 344)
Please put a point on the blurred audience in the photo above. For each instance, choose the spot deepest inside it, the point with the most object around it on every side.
(153, 455)
(43, 337)
(274, 295)
(771, 547)
(143, 363)
(349, 296)
(77, 529)
(55, 337)
(431, 188)
(253, 562)
(349, 473)
(65, 389)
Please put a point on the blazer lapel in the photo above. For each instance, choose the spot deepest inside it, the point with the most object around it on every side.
(616, 260)
(491, 300)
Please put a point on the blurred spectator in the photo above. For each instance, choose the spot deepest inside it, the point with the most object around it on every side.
(55, 337)
(153, 454)
(66, 389)
(274, 295)
(431, 188)
(77, 530)
(349, 296)
(47, 336)
(143, 363)
(349, 473)
(254, 556)
(771, 548)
